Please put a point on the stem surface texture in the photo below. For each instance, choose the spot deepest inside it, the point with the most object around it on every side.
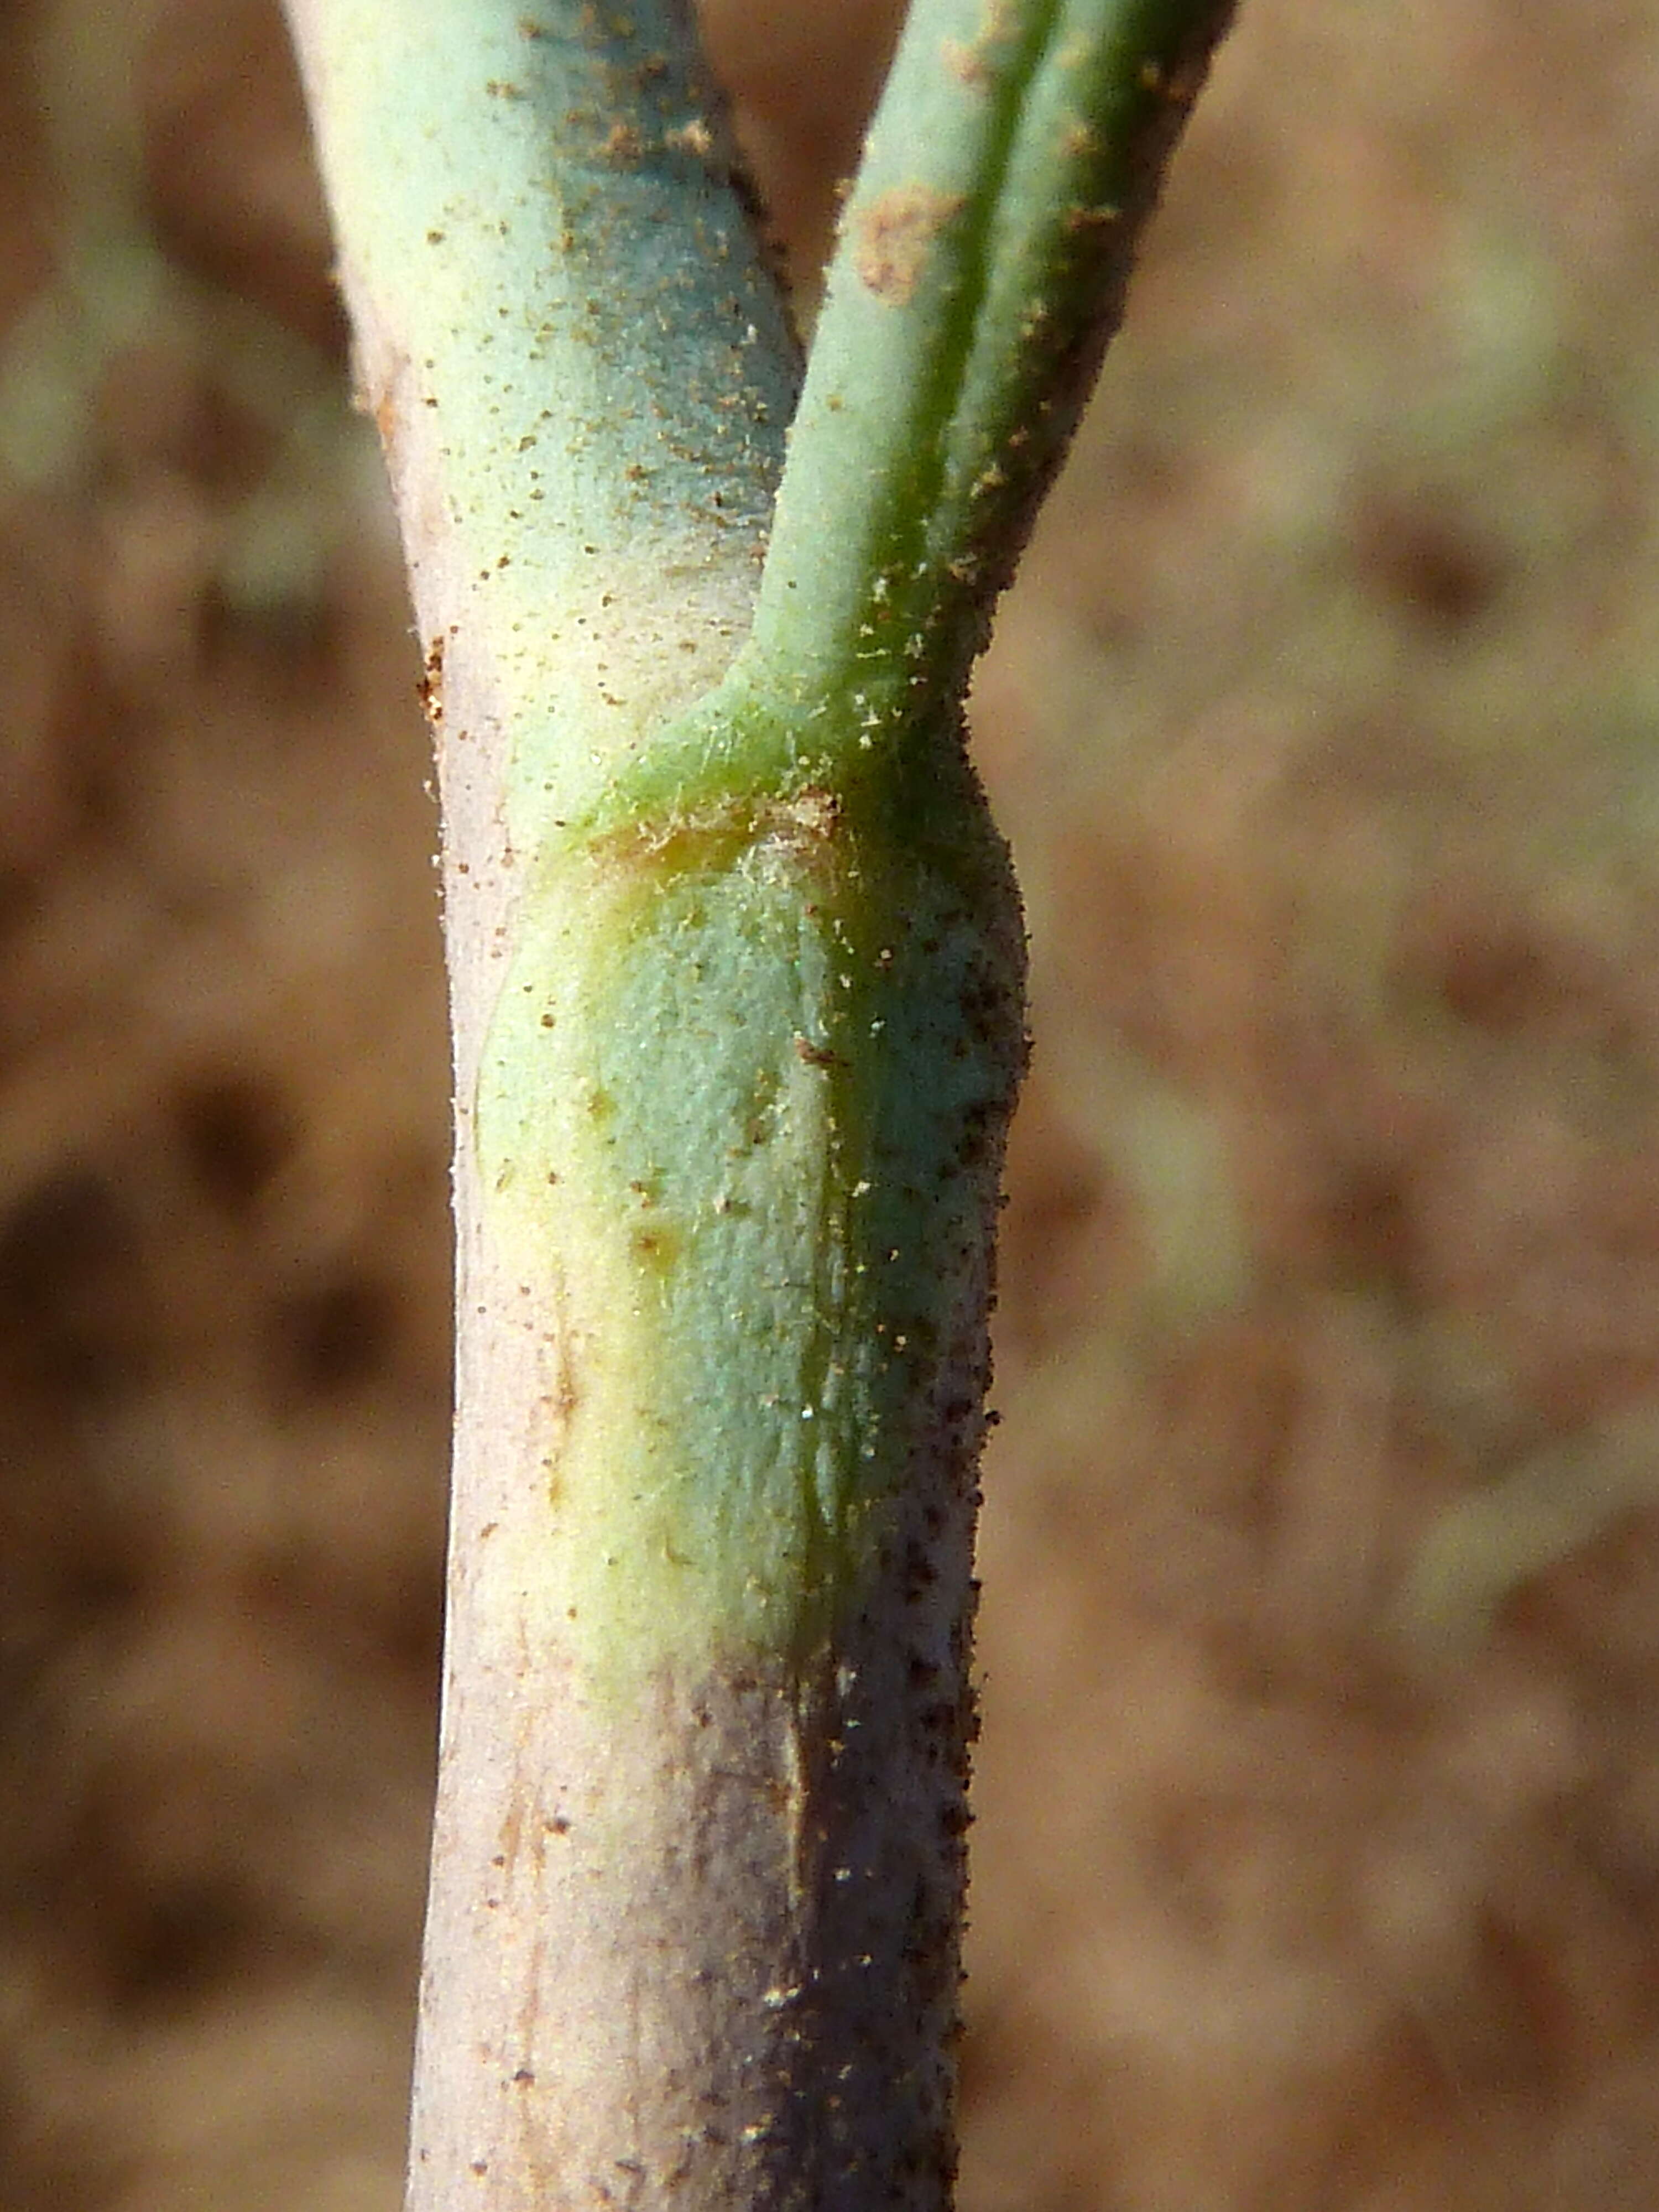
(736, 970)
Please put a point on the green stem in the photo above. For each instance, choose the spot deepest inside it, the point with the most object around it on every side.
(983, 263)
(981, 267)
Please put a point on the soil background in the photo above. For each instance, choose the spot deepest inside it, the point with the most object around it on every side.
(1318, 1863)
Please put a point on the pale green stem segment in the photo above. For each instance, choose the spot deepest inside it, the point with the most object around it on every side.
(577, 356)
(743, 1102)
(981, 270)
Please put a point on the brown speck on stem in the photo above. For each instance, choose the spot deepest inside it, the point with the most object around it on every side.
(896, 233)
(1181, 86)
(1090, 218)
(967, 63)
(972, 63)
(430, 686)
(694, 136)
(816, 1056)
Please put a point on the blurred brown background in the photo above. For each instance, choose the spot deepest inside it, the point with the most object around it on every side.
(1318, 1858)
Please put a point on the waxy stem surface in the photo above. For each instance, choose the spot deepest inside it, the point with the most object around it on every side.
(737, 975)
(743, 1109)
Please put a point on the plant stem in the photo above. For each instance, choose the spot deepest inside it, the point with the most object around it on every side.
(737, 971)
(983, 260)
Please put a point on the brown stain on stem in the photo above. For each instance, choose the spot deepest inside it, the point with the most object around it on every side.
(895, 235)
